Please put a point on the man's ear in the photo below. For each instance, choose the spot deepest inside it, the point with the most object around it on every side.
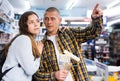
(60, 20)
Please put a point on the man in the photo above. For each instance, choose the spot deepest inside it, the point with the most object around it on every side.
(57, 40)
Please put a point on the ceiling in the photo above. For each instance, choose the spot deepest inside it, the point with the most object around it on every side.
(80, 7)
(61, 4)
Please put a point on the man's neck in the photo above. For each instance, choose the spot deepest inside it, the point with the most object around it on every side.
(52, 33)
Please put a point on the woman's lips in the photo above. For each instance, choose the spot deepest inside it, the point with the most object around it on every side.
(50, 26)
(37, 29)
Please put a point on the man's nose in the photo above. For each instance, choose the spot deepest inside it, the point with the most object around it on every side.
(49, 20)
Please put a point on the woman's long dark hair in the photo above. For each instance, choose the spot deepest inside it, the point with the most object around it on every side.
(23, 30)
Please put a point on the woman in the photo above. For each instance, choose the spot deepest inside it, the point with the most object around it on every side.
(24, 53)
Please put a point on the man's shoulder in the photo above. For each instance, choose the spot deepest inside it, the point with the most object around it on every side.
(64, 29)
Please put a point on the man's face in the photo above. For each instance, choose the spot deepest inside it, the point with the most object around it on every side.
(52, 21)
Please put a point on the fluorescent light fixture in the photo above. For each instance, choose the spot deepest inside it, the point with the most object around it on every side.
(112, 22)
(27, 4)
(113, 4)
(80, 22)
(63, 22)
(112, 12)
(71, 4)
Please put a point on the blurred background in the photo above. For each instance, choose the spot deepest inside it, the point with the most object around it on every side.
(74, 13)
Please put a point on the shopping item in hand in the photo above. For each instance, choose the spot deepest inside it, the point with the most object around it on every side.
(70, 55)
(64, 62)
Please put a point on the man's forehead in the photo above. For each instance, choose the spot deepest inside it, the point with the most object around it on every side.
(53, 13)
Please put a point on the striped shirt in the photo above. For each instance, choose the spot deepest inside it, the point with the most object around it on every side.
(69, 39)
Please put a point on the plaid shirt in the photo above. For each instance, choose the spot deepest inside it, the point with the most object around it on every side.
(69, 39)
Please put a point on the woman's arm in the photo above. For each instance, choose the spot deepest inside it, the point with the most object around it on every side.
(24, 54)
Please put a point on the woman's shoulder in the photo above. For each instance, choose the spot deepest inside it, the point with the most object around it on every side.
(22, 39)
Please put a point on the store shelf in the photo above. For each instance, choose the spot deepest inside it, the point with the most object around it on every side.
(2, 20)
(4, 17)
(1, 31)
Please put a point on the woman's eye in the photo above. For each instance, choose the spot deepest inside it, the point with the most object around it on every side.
(31, 22)
(38, 20)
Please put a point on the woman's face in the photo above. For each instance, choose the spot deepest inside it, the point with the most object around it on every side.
(33, 24)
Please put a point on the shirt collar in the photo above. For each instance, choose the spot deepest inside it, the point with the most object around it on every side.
(60, 30)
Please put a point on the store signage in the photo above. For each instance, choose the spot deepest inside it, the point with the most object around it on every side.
(105, 20)
(100, 41)
(102, 70)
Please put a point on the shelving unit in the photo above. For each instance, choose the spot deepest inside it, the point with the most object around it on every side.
(102, 49)
(6, 18)
(87, 51)
(115, 48)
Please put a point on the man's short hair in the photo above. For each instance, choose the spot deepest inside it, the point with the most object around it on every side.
(50, 9)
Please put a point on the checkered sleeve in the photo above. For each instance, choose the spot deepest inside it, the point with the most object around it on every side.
(47, 64)
(83, 35)
(44, 76)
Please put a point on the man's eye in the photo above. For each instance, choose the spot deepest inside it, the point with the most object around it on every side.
(52, 18)
(46, 19)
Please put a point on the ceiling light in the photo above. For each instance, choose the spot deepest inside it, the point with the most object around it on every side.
(27, 4)
(113, 4)
(53, 0)
(80, 23)
(71, 4)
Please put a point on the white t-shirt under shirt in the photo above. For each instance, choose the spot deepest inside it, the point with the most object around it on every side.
(54, 40)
